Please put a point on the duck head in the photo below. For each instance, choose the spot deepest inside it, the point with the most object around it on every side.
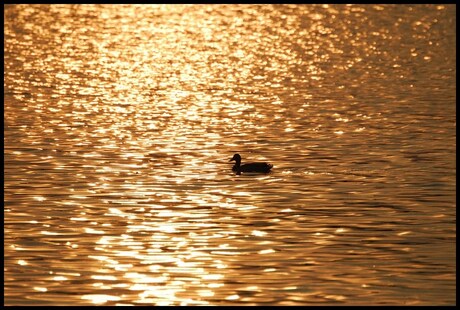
(236, 158)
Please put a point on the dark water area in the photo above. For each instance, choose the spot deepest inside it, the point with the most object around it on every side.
(120, 120)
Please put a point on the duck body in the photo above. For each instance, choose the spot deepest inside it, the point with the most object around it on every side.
(249, 167)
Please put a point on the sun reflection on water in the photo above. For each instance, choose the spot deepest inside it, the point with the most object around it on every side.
(120, 121)
(165, 259)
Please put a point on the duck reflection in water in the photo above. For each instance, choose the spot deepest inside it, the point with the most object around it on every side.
(249, 167)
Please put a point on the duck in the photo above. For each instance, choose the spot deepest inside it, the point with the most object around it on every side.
(249, 167)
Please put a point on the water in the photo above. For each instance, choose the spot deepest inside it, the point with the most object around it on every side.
(120, 121)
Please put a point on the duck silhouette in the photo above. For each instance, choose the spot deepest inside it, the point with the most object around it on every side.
(249, 167)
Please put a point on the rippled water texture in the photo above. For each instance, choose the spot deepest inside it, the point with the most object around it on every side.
(120, 121)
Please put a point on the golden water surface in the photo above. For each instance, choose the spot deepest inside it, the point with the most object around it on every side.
(120, 121)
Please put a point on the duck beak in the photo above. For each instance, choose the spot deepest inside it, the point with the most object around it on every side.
(232, 159)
